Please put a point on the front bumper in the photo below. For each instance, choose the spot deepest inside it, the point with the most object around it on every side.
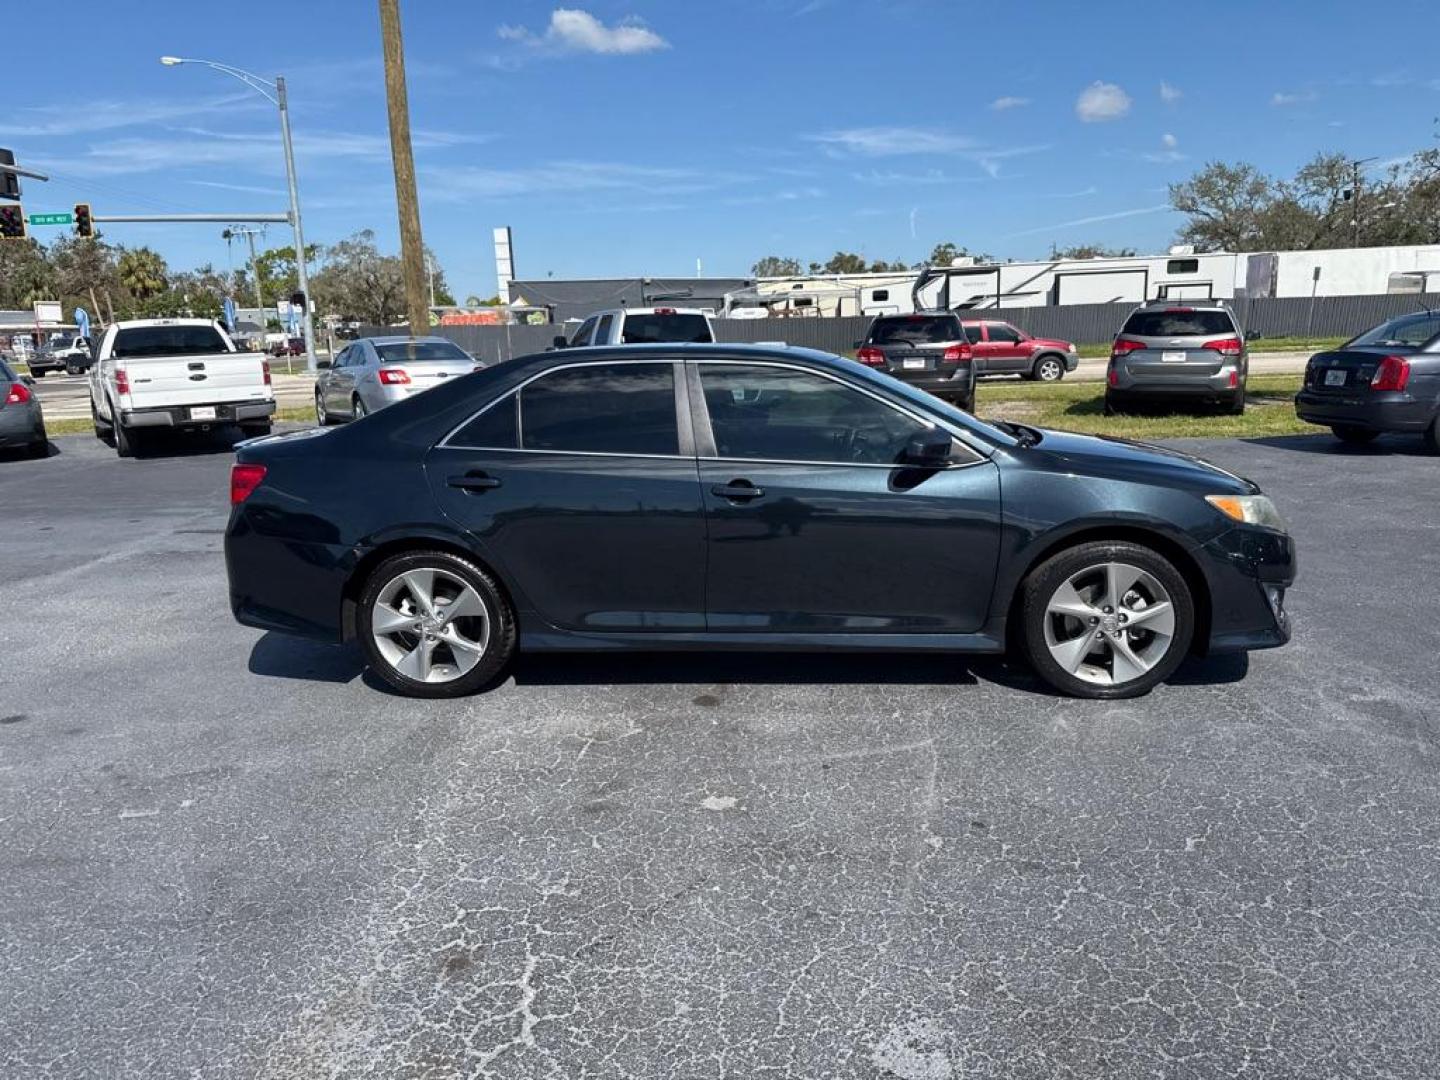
(1249, 569)
(177, 416)
(1072, 361)
(1373, 412)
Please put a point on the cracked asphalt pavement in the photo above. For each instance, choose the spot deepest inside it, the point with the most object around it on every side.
(229, 854)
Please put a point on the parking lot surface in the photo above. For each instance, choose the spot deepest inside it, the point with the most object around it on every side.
(230, 854)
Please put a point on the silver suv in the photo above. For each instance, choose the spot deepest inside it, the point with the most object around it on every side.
(1168, 351)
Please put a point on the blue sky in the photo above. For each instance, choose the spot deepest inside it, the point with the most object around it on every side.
(635, 136)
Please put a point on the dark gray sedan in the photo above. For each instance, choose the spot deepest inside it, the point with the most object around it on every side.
(22, 423)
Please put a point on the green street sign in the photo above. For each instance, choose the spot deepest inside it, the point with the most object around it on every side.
(52, 219)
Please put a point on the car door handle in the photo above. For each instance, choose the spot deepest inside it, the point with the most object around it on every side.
(474, 481)
(738, 491)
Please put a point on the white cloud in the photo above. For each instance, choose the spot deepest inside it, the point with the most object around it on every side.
(1282, 98)
(1082, 192)
(1095, 219)
(460, 183)
(1170, 94)
(1000, 104)
(928, 176)
(572, 30)
(893, 141)
(79, 118)
(1169, 141)
(1101, 101)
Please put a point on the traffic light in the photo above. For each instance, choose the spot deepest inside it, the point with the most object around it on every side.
(12, 222)
(84, 223)
(9, 181)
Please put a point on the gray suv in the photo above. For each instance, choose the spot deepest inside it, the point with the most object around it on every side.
(1169, 351)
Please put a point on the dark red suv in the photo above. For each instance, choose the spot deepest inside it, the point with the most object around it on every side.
(1003, 349)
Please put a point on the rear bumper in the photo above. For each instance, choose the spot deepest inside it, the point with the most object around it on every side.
(1249, 569)
(1374, 412)
(1215, 389)
(175, 416)
(21, 425)
(961, 384)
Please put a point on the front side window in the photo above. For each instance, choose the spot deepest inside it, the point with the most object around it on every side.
(780, 414)
(582, 336)
(1002, 332)
(602, 335)
(602, 408)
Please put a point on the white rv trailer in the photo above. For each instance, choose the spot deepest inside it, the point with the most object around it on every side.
(1180, 274)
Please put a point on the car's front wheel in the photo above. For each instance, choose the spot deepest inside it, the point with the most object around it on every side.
(1048, 369)
(1107, 619)
(435, 625)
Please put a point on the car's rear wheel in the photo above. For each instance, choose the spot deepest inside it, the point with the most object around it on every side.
(435, 625)
(1107, 619)
(1432, 435)
(126, 441)
(1048, 369)
(1355, 436)
(321, 416)
(1237, 403)
(358, 409)
(103, 429)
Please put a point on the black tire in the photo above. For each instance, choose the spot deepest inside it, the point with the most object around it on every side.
(1110, 409)
(358, 410)
(1237, 405)
(126, 442)
(1431, 437)
(322, 418)
(1041, 585)
(1048, 369)
(1354, 436)
(504, 633)
(103, 429)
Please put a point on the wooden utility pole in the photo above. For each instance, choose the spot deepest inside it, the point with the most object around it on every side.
(412, 248)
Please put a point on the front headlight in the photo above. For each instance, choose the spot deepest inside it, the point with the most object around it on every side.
(1249, 510)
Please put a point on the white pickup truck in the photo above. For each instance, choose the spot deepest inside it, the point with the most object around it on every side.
(175, 373)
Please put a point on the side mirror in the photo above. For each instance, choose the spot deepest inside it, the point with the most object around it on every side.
(559, 341)
(322, 365)
(931, 448)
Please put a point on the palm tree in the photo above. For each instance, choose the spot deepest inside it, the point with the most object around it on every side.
(143, 273)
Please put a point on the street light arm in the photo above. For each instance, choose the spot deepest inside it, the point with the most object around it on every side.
(262, 86)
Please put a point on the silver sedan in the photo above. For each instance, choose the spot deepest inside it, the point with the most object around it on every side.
(370, 373)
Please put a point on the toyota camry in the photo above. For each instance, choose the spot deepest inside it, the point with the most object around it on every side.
(742, 497)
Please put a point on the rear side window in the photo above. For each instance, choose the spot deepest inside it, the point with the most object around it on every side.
(917, 330)
(1411, 330)
(167, 341)
(602, 334)
(420, 351)
(602, 409)
(1178, 322)
(664, 328)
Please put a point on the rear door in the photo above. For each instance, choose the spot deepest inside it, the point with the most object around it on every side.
(582, 487)
(1178, 342)
(915, 346)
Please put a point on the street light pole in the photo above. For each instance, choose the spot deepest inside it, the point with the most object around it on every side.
(274, 92)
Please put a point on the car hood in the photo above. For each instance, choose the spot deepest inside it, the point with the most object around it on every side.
(1108, 457)
(1050, 343)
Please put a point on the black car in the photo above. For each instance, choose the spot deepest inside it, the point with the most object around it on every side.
(742, 497)
(929, 351)
(22, 422)
(1387, 379)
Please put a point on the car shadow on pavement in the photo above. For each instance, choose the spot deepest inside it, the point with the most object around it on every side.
(8, 454)
(280, 656)
(1384, 446)
(174, 444)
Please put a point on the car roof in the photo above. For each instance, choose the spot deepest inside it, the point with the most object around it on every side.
(131, 324)
(1187, 305)
(693, 350)
(404, 339)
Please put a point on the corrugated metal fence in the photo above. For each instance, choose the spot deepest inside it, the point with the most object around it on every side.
(1087, 324)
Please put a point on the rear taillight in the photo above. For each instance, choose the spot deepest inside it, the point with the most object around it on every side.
(265, 367)
(1125, 345)
(122, 381)
(244, 479)
(871, 356)
(1392, 374)
(391, 376)
(1229, 346)
(19, 394)
(958, 352)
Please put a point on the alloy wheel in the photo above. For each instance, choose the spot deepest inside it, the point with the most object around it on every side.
(430, 625)
(1109, 624)
(1048, 370)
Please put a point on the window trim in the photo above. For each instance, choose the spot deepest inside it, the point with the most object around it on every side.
(684, 430)
(706, 449)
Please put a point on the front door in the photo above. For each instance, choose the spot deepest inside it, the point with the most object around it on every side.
(814, 526)
(580, 489)
(1006, 351)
